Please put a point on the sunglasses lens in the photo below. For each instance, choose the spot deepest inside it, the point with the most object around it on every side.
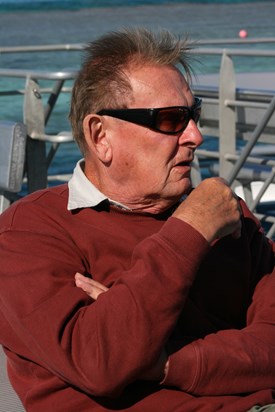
(197, 114)
(172, 120)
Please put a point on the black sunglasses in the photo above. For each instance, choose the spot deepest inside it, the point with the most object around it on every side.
(167, 120)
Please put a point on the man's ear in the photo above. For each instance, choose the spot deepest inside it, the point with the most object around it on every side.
(97, 138)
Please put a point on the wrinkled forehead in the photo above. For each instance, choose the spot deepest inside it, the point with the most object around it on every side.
(162, 85)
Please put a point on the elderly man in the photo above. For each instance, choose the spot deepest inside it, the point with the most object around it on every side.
(176, 310)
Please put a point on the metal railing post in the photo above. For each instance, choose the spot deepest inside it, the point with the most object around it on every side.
(227, 115)
(254, 138)
(33, 114)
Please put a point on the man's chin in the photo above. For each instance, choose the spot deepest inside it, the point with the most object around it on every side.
(185, 187)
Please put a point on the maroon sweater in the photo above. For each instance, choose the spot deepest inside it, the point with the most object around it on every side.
(212, 308)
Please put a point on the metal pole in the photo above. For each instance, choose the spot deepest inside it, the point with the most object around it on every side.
(255, 136)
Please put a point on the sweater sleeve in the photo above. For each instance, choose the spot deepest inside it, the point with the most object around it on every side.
(233, 361)
(97, 346)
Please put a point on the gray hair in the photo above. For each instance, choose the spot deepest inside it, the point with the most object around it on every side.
(102, 81)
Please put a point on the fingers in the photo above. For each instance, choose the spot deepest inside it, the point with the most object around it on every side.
(212, 209)
(90, 286)
(232, 214)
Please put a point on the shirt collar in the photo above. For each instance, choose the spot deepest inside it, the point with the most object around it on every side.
(82, 192)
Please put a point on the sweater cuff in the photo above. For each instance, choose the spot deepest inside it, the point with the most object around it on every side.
(183, 369)
(184, 239)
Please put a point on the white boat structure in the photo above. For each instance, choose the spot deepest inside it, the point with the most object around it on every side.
(237, 107)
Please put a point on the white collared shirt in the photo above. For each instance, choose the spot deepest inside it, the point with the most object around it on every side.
(82, 192)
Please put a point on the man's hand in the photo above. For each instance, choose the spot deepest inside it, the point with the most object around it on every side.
(90, 286)
(93, 289)
(212, 209)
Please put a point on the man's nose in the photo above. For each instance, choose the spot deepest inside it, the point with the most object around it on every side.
(191, 135)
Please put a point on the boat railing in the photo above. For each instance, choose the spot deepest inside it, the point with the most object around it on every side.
(230, 113)
(35, 116)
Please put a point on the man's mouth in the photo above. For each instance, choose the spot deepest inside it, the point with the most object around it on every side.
(183, 164)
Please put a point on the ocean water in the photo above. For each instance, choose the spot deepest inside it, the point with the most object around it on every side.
(27, 5)
(51, 22)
